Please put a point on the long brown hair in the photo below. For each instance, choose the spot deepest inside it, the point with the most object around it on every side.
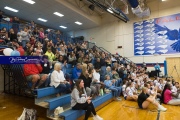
(81, 91)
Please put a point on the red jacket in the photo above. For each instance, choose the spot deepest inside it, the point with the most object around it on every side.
(21, 50)
(32, 69)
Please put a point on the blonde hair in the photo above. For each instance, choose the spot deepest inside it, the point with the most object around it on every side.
(108, 68)
(144, 88)
(57, 66)
(84, 68)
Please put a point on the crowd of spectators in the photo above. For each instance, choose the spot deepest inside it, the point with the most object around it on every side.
(100, 71)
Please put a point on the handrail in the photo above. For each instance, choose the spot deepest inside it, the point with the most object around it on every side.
(103, 49)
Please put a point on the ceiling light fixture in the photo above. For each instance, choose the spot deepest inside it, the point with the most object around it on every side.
(11, 9)
(58, 14)
(41, 19)
(163, 0)
(29, 1)
(79, 23)
(63, 27)
(110, 10)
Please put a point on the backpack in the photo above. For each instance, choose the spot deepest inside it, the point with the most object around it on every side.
(28, 114)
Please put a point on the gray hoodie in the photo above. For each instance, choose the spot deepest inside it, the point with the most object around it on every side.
(75, 98)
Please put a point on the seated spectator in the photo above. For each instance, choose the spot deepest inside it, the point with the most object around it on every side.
(129, 95)
(97, 64)
(72, 59)
(175, 89)
(28, 49)
(76, 72)
(96, 80)
(4, 34)
(63, 51)
(108, 72)
(20, 49)
(58, 80)
(108, 61)
(87, 78)
(46, 67)
(110, 84)
(64, 66)
(124, 87)
(50, 54)
(11, 35)
(81, 101)
(115, 76)
(36, 33)
(32, 73)
(32, 40)
(144, 100)
(167, 96)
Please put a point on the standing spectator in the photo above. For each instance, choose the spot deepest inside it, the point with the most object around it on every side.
(33, 25)
(1, 15)
(144, 66)
(15, 25)
(41, 35)
(157, 69)
(25, 36)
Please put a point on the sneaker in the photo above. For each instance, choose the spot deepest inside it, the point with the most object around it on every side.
(97, 117)
(161, 108)
(118, 98)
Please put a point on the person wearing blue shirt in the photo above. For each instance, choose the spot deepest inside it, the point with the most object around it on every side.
(76, 72)
(110, 84)
(157, 69)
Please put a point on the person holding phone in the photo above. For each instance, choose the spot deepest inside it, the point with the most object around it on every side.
(80, 101)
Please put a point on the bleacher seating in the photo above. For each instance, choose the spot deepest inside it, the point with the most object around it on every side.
(75, 114)
(45, 98)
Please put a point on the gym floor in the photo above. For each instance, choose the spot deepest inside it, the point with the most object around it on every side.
(11, 107)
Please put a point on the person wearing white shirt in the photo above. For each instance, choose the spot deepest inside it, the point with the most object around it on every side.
(58, 80)
(175, 88)
(96, 80)
(129, 92)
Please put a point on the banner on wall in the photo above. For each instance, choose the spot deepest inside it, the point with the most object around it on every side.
(157, 36)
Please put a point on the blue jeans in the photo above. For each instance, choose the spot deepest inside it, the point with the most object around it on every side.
(62, 88)
(118, 82)
(103, 73)
(116, 91)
